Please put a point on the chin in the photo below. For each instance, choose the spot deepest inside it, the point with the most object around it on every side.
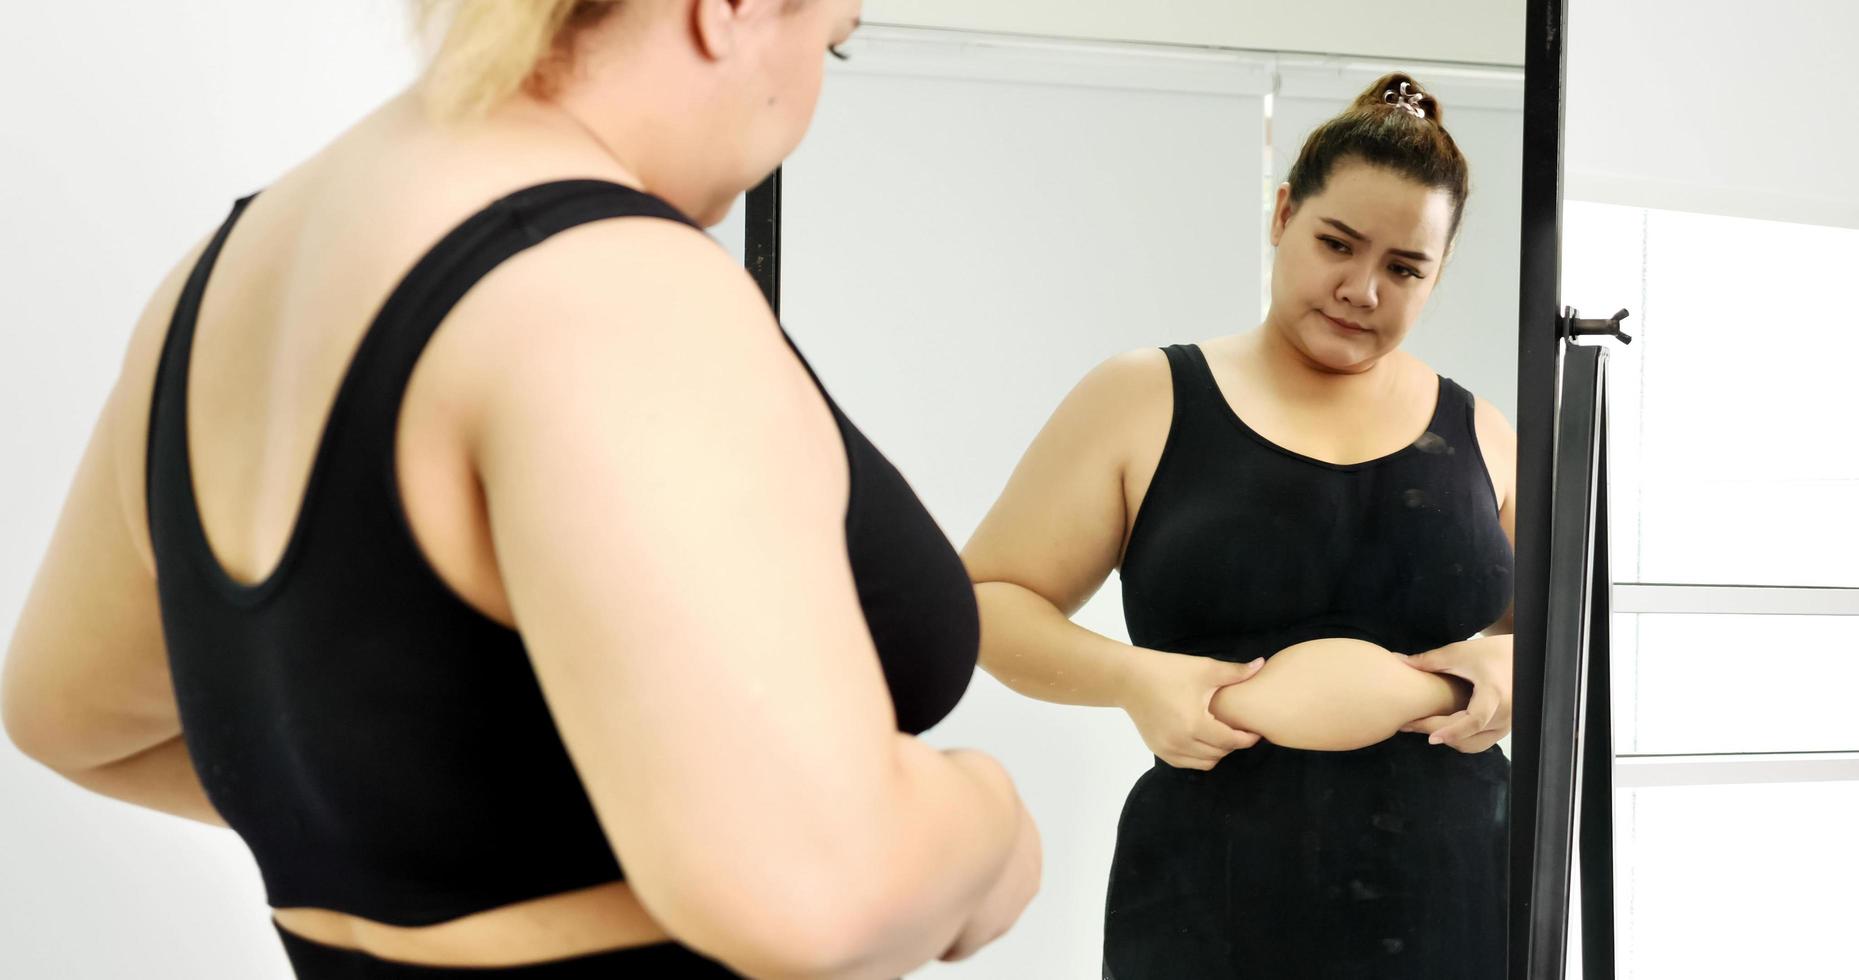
(715, 212)
(1336, 362)
(1337, 353)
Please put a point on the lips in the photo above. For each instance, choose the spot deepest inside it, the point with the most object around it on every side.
(1347, 326)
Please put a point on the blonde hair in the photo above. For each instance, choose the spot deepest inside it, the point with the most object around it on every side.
(489, 50)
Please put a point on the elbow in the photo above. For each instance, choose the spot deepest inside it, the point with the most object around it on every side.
(844, 945)
(811, 925)
(59, 734)
(27, 728)
(778, 943)
(34, 721)
(40, 740)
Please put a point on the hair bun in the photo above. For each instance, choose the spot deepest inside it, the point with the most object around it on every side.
(1393, 124)
(1399, 92)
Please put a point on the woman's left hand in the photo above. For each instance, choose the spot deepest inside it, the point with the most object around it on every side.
(1485, 662)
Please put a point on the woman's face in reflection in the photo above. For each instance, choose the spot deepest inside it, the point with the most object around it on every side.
(1366, 251)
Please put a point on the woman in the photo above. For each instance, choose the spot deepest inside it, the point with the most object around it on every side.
(1291, 509)
(451, 625)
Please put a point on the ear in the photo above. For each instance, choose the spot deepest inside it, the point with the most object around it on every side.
(718, 24)
(714, 24)
(1282, 210)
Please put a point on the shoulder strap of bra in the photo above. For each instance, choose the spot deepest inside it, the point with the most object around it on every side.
(1195, 390)
(177, 348)
(817, 383)
(1457, 406)
(361, 422)
(385, 359)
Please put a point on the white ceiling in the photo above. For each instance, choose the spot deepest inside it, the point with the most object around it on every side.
(1718, 107)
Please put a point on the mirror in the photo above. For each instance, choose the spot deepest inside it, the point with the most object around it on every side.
(979, 222)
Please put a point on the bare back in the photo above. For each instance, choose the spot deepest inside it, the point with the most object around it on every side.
(295, 288)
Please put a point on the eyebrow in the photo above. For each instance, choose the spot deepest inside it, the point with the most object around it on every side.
(1358, 236)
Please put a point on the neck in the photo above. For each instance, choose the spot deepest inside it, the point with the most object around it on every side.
(655, 117)
(1295, 372)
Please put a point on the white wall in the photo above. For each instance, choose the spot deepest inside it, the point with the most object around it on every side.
(1714, 107)
(146, 121)
(130, 129)
(1469, 31)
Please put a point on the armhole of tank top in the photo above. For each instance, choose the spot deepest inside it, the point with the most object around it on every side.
(852, 469)
(588, 195)
(1175, 381)
(840, 423)
(1478, 449)
(188, 299)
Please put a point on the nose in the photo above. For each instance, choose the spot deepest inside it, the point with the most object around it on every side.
(1357, 287)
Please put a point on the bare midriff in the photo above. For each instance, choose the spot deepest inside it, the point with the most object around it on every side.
(1335, 695)
(591, 920)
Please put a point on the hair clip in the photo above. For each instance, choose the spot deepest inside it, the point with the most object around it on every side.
(1407, 100)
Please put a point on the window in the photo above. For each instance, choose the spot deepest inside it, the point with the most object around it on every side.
(1734, 497)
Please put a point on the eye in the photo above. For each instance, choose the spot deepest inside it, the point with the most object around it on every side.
(833, 49)
(1409, 273)
(1336, 245)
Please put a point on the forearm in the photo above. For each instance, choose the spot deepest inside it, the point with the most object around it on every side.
(160, 778)
(1032, 647)
(957, 817)
(1335, 695)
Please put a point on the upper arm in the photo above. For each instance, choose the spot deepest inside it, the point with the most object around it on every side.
(86, 679)
(666, 491)
(1498, 442)
(1057, 528)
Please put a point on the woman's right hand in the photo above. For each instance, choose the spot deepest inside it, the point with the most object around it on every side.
(1007, 898)
(1167, 695)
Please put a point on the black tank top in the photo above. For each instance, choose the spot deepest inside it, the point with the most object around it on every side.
(1242, 547)
(384, 748)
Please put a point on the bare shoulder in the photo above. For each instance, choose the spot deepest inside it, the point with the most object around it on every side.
(1109, 409)
(1487, 414)
(1138, 370)
(1497, 440)
(1058, 526)
(637, 360)
(1496, 437)
(1119, 412)
(667, 314)
(618, 265)
(1126, 388)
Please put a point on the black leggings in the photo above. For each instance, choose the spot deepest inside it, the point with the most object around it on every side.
(311, 960)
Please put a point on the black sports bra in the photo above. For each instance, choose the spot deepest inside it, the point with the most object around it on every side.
(381, 746)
